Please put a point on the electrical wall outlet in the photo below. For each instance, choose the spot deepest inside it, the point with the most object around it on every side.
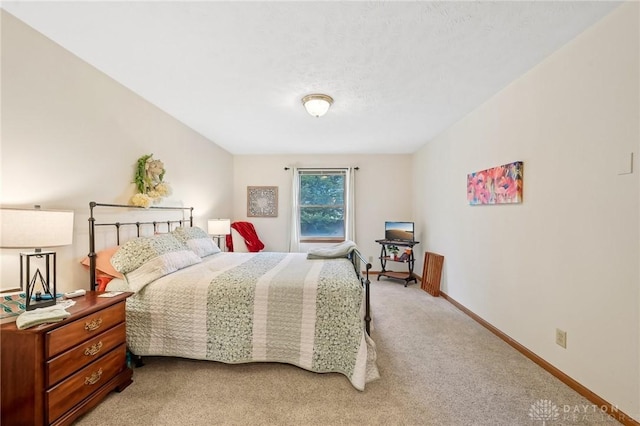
(561, 338)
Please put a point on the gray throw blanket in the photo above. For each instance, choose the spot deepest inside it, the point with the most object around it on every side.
(332, 252)
(41, 316)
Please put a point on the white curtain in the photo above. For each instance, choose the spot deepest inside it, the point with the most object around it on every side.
(350, 201)
(294, 231)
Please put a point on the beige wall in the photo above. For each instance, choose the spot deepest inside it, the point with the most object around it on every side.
(71, 135)
(568, 256)
(383, 192)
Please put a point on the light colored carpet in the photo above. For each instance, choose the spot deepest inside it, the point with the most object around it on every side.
(437, 367)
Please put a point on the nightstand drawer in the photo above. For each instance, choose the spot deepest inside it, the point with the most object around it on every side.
(72, 360)
(86, 381)
(82, 329)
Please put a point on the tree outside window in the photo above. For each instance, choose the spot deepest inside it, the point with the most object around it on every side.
(322, 205)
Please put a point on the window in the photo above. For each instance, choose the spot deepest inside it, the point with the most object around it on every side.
(322, 209)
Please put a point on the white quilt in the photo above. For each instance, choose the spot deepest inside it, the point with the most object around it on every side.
(253, 307)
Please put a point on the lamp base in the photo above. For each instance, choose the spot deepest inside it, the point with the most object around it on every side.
(221, 237)
(40, 290)
(40, 304)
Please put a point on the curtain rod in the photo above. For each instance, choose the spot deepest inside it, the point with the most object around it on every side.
(322, 168)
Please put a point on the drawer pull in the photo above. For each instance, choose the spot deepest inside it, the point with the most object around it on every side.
(93, 324)
(93, 379)
(93, 349)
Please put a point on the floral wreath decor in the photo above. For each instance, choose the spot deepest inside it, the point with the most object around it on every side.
(148, 179)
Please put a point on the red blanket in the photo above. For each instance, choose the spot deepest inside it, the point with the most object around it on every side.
(248, 232)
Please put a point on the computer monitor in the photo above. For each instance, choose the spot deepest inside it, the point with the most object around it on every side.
(398, 231)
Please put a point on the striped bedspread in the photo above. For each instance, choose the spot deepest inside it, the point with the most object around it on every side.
(257, 307)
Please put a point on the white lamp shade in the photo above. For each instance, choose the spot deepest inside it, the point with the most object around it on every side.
(317, 105)
(219, 226)
(22, 228)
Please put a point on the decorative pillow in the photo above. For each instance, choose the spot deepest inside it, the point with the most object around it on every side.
(117, 285)
(103, 262)
(103, 281)
(197, 240)
(146, 259)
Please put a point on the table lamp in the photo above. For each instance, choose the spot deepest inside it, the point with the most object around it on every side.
(219, 228)
(34, 229)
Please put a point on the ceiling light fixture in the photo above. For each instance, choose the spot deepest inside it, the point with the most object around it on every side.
(317, 104)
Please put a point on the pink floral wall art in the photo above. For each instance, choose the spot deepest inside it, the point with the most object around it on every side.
(498, 185)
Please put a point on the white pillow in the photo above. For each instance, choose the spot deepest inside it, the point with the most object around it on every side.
(159, 267)
(145, 259)
(197, 240)
(239, 245)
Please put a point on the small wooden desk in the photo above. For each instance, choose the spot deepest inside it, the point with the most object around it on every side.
(408, 276)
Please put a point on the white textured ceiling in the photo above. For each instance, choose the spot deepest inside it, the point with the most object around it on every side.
(400, 72)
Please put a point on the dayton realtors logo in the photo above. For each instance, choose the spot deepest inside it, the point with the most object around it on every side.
(544, 410)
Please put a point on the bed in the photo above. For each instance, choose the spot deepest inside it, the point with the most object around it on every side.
(193, 301)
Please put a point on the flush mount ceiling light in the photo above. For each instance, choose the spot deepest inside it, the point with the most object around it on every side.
(317, 104)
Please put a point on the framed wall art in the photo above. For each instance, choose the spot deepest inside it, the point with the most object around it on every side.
(262, 201)
(498, 185)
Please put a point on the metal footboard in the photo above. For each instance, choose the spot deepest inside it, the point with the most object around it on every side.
(358, 260)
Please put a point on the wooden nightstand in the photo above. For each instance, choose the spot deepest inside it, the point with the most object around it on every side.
(53, 373)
